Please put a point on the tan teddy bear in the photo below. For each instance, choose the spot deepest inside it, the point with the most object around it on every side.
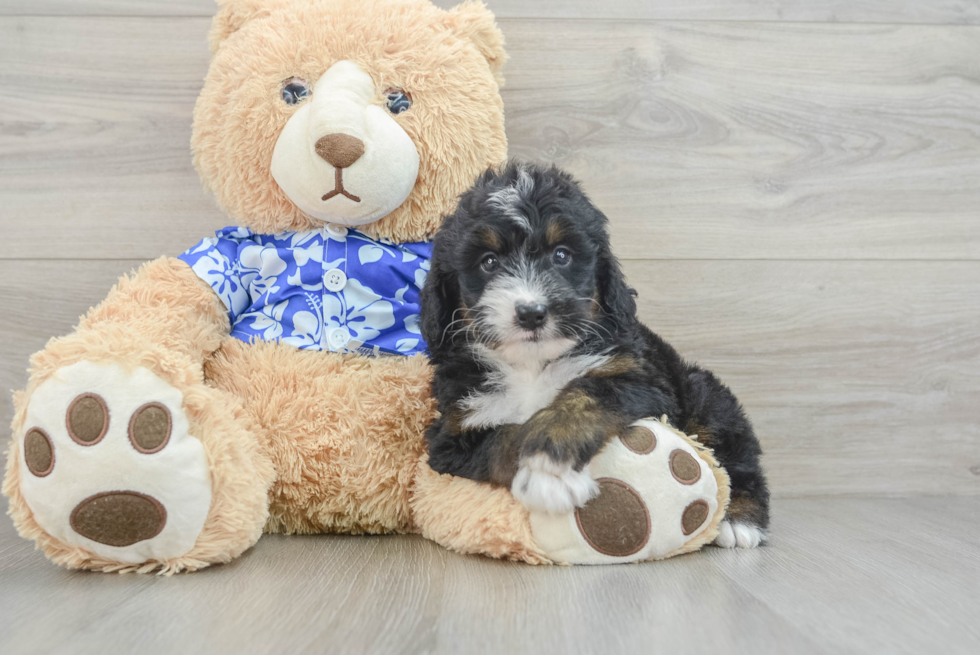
(273, 377)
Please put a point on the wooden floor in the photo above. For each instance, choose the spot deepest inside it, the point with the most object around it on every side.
(794, 188)
(843, 575)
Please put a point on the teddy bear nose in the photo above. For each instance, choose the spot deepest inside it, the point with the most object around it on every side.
(339, 150)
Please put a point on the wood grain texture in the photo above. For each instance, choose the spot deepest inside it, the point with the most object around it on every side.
(956, 12)
(798, 204)
(837, 578)
(698, 139)
(860, 377)
(47, 299)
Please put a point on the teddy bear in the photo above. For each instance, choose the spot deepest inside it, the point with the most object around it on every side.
(273, 377)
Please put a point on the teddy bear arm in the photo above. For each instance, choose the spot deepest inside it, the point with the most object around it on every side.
(162, 317)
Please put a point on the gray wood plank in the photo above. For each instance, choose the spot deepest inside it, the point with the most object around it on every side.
(838, 556)
(46, 299)
(699, 139)
(860, 377)
(837, 578)
(829, 11)
(855, 374)
(705, 140)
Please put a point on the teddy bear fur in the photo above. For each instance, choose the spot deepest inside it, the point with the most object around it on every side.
(299, 441)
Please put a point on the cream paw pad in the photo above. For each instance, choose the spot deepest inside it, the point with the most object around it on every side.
(660, 494)
(109, 465)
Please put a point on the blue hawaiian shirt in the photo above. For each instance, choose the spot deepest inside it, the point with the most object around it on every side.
(330, 289)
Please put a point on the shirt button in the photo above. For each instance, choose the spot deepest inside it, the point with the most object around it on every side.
(335, 280)
(338, 338)
(337, 230)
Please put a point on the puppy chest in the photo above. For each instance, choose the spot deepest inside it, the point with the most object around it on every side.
(513, 395)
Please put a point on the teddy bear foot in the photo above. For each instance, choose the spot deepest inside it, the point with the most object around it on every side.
(109, 465)
(660, 494)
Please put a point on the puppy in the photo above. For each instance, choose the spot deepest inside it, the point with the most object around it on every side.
(540, 359)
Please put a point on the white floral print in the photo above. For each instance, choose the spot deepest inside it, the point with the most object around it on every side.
(274, 289)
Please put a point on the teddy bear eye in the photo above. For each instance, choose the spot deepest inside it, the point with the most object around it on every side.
(294, 91)
(398, 100)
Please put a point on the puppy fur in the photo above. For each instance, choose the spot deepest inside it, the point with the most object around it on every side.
(540, 359)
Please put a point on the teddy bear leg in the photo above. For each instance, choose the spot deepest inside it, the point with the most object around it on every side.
(122, 457)
(113, 468)
(660, 494)
(472, 518)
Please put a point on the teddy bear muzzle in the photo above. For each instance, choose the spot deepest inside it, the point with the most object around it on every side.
(342, 158)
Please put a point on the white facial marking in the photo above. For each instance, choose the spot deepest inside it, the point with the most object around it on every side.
(507, 200)
(517, 388)
(382, 178)
(496, 313)
(732, 534)
(543, 484)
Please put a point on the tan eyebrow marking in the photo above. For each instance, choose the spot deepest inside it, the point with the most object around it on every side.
(554, 233)
(491, 239)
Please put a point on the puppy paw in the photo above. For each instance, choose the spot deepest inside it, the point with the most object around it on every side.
(732, 534)
(544, 484)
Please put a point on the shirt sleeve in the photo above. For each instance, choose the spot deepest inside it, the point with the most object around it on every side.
(216, 260)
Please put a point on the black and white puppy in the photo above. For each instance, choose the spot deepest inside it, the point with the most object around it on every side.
(540, 359)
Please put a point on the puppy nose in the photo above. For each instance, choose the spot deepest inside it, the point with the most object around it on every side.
(531, 317)
(340, 150)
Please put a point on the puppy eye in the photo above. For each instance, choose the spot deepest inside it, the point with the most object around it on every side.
(562, 257)
(398, 100)
(489, 263)
(294, 91)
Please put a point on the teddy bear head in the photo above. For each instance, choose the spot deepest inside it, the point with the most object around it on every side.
(373, 114)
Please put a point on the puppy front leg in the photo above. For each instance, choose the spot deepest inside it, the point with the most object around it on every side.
(556, 445)
(483, 454)
(494, 455)
(559, 441)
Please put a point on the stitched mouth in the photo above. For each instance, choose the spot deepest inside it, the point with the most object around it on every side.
(338, 189)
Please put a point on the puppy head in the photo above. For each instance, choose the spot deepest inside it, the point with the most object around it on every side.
(523, 267)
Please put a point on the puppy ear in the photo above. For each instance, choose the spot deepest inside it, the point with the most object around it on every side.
(617, 299)
(473, 21)
(440, 300)
(233, 14)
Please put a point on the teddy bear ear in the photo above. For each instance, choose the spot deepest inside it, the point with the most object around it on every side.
(233, 14)
(472, 20)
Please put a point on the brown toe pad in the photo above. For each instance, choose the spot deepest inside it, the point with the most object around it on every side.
(149, 428)
(119, 518)
(694, 516)
(616, 522)
(640, 440)
(684, 467)
(87, 419)
(38, 452)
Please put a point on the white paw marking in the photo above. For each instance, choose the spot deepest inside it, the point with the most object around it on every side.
(739, 535)
(177, 476)
(543, 484)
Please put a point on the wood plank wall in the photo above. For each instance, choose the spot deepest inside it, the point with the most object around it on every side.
(794, 188)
